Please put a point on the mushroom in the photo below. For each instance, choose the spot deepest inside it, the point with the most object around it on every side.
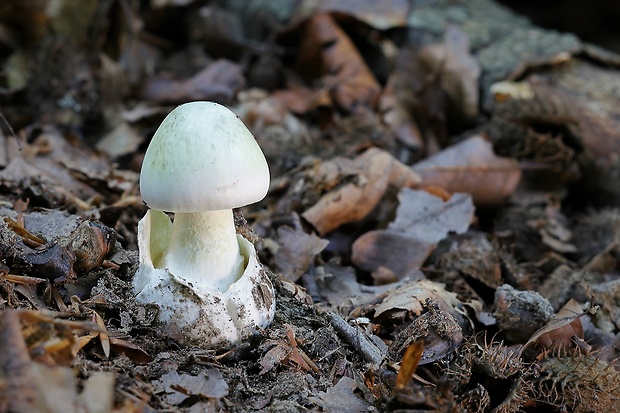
(210, 288)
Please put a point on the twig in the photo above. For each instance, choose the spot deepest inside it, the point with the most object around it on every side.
(356, 338)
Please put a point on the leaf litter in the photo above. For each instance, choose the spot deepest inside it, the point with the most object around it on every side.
(418, 207)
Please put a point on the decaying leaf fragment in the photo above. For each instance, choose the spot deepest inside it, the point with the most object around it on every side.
(296, 251)
(421, 221)
(457, 69)
(375, 170)
(351, 83)
(438, 330)
(438, 319)
(341, 398)
(472, 167)
(219, 82)
(398, 117)
(562, 329)
(286, 350)
(178, 387)
(410, 298)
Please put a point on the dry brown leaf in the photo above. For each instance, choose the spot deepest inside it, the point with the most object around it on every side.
(133, 352)
(300, 100)
(286, 350)
(120, 141)
(275, 356)
(351, 83)
(14, 361)
(433, 85)
(411, 297)
(104, 338)
(219, 82)
(376, 170)
(82, 341)
(472, 167)
(34, 387)
(399, 118)
(429, 218)
(457, 69)
(559, 331)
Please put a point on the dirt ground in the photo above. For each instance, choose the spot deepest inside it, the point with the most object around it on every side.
(442, 227)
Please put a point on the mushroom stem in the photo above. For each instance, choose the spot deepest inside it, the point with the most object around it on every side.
(204, 250)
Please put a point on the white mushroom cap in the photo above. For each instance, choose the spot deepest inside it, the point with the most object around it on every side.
(203, 158)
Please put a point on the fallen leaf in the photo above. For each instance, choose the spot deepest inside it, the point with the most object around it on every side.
(422, 220)
(345, 74)
(427, 217)
(120, 141)
(275, 356)
(338, 286)
(457, 69)
(219, 82)
(411, 297)
(472, 167)
(133, 352)
(286, 350)
(561, 328)
(34, 387)
(301, 100)
(14, 362)
(104, 338)
(178, 387)
(399, 118)
(296, 251)
(376, 170)
(341, 398)
(400, 253)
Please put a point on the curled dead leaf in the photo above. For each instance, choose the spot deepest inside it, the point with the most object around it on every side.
(133, 352)
(562, 328)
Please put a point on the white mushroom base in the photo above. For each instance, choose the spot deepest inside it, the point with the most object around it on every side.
(200, 317)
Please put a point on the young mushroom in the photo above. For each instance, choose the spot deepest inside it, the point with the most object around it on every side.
(210, 288)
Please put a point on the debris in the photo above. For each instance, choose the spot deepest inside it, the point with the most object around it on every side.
(471, 167)
(422, 220)
(353, 197)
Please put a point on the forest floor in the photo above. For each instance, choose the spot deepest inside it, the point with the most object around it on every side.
(442, 227)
